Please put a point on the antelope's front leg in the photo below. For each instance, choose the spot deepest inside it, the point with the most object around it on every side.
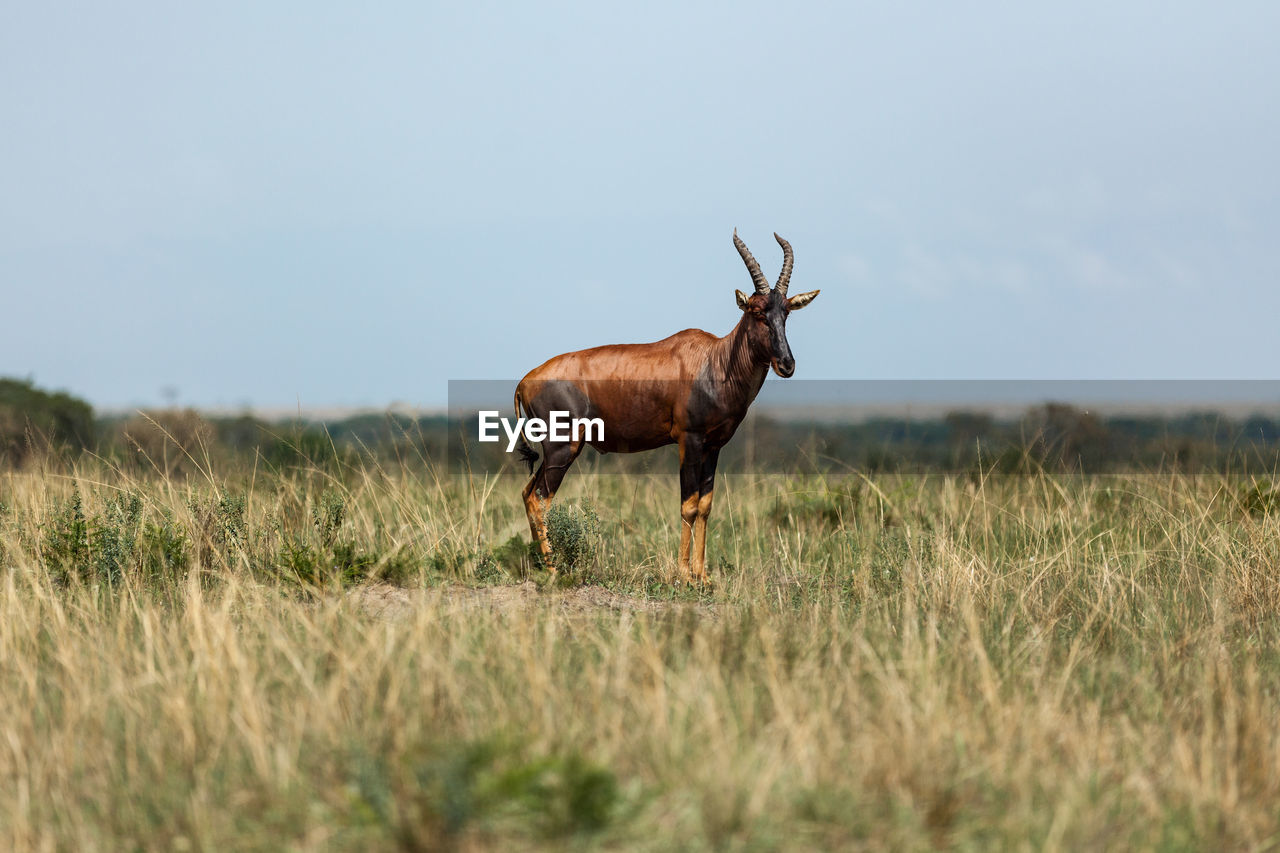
(690, 479)
(688, 518)
(706, 493)
(556, 460)
(535, 508)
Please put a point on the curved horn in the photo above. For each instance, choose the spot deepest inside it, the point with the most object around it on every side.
(784, 277)
(762, 283)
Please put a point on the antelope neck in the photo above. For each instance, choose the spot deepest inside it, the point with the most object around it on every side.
(738, 363)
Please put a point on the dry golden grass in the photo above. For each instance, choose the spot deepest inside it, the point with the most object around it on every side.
(1038, 662)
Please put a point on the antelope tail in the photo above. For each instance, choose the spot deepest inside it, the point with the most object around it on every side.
(527, 453)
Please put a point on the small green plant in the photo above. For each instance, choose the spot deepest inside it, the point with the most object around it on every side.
(106, 547)
(350, 564)
(328, 515)
(483, 565)
(571, 796)
(487, 569)
(397, 567)
(222, 531)
(449, 560)
(891, 554)
(308, 564)
(574, 534)
(1259, 499)
(113, 536)
(460, 789)
(300, 561)
(829, 507)
(65, 546)
(515, 555)
(164, 549)
(232, 526)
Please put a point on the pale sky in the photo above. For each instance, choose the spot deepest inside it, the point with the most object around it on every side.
(278, 204)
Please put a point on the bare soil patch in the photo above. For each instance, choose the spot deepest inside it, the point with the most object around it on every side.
(393, 602)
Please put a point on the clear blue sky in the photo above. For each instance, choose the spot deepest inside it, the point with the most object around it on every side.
(273, 204)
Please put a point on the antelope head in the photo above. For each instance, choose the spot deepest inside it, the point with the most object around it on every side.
(767, 308)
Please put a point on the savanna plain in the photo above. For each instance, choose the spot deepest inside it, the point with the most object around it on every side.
(359, 653)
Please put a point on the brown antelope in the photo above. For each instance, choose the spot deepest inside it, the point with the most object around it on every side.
(691, 389)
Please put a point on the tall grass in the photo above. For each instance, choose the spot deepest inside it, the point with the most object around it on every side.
(1042, 661)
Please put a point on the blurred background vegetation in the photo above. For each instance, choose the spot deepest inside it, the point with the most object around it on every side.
(1048, 436)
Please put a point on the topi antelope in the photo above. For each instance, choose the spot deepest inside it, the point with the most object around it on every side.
(691, 389)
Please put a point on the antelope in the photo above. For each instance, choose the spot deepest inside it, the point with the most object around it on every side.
(691, 389)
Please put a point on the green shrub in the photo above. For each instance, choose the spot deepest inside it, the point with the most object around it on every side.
(328, 516)
(456, 790)
(222, 530)
(515, 556)
(1260, 499)
(828, 507)
(300, 561)
(397, 567)
(113, 536)
(165, 550)
(313, 565)
(350, 564)
(65, 544)
(107, 547)
(574, 534)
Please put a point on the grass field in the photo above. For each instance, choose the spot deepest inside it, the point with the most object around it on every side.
(360, 658)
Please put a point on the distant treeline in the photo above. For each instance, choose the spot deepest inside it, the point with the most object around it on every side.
(36, 424)
(1056, 436)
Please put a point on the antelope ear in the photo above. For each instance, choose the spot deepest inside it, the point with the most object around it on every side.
(742, 299)
(800, 300)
